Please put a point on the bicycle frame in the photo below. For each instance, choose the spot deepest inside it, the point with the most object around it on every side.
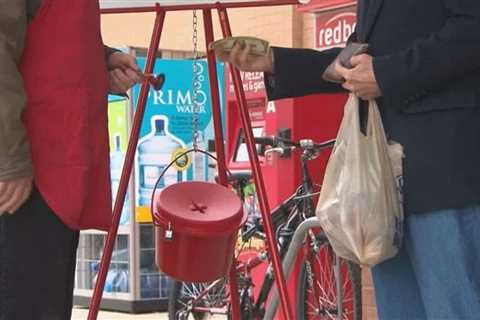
(303, 195)
(286, 216)
(299, 205)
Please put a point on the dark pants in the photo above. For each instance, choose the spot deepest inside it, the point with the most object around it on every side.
(37, 264)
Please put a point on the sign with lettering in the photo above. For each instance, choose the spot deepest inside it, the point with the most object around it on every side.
(167, 130)
(334, 27)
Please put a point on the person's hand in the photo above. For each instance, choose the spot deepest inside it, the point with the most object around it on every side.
(240, 57)
(123, 72)
(14, 193)
(360, 80)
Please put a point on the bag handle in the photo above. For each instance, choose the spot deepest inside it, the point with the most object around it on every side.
(350, 119)
(374, 125)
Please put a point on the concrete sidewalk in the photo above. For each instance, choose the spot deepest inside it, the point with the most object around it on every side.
(80, 313)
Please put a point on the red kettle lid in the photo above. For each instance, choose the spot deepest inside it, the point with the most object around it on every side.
(200, 208)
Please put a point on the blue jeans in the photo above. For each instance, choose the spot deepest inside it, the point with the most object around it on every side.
(436, 275)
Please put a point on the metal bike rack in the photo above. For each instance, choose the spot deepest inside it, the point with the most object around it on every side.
(289, 260)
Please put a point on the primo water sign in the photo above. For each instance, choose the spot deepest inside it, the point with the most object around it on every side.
(175, 100)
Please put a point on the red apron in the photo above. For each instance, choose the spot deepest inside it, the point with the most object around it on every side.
(65, 77)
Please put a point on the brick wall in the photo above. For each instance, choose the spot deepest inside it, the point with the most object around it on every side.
(369, 311)
(280, 25)
(308, 36)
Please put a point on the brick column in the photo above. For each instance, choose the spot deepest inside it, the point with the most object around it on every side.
(369, 311)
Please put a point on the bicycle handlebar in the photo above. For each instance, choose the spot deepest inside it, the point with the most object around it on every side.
(265, 141)
(277, 142)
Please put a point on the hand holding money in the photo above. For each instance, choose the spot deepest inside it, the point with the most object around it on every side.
(245, 53)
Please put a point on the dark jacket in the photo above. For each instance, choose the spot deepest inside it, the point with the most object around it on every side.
(427, 64)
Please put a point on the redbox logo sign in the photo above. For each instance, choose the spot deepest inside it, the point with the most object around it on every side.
(334, 28)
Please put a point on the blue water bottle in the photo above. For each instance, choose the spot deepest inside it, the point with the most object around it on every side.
(154, 154)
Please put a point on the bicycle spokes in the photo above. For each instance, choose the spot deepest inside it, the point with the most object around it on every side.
(327, 286)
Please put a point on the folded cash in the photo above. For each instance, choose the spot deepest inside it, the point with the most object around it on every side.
(257, 46)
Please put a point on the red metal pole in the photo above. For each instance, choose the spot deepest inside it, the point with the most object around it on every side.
(257, 173)
(199, 6)
(219, 146)
(127, 169)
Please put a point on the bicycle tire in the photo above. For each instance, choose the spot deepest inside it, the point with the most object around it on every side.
(326, 305)
(181, 293)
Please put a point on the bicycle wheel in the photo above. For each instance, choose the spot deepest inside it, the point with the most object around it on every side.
(329, 288)
(196, 300)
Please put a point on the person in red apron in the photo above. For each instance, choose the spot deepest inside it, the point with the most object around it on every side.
(59, 142)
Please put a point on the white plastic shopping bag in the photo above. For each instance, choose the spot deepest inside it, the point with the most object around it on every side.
(360, 206)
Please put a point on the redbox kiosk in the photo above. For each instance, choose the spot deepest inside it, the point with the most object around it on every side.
(315, 117)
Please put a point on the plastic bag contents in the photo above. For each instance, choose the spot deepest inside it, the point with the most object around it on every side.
(360, 206)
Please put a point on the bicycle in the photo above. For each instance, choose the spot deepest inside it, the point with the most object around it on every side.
(328, 287)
